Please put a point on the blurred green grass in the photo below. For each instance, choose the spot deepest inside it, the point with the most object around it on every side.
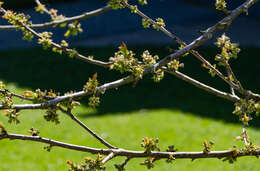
(174, 111)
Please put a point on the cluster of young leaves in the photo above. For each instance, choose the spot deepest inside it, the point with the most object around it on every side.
(52, 12)
(251, 149)
(134, 8)
(7, 103)
(18, 20)
(88, 165)
(207, 146)
(147, 23)
(34, 132)
(39, 96)
(116, 4)
(228, 50)
(245, 108)
(149, 60)
(175, 65)
(150, 144)
(52, 115)
(124, 61)
(73, 29)
(149, 162)
(158, 75)
(42, 96)
(45, 39)
(64, 44)
(221, 5)
(91, 87)
(233, 157)
(171, 158)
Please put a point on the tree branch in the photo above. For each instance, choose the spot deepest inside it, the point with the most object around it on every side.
(109, 157)
(68, 113)
(55, 23)
(53, 102)
(205, 87)
(132, 154)
(15, 95)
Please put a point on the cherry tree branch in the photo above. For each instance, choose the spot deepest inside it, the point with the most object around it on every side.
(130, 153)
(55, 23)
(116, 84)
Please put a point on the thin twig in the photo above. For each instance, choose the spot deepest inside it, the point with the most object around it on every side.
(231, 88)
(231, 73)
(15, 95)
(87, 128)
(125, 162)
(205, 87)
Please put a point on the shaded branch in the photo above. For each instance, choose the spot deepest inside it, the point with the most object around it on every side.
(205, 87)
(231, 73)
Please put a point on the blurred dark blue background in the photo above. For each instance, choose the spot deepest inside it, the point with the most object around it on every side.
(185, 18)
